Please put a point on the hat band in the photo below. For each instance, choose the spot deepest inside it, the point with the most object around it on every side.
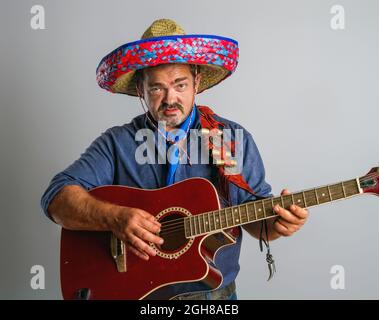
(202, 50)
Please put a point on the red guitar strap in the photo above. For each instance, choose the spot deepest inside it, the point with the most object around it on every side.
(208, 122)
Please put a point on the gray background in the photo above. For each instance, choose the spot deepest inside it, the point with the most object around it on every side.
(308, 94)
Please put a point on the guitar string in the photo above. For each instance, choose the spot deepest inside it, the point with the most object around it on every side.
(182, 226)
(173, 225)
(168, 230)
(180, 221)
(223, 221)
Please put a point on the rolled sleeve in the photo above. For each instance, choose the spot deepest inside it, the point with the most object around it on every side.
(95, 167)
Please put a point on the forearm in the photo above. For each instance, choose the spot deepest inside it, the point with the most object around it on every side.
(254, 229)
(74, 208)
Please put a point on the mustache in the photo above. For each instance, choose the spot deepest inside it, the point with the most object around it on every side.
(164, 106)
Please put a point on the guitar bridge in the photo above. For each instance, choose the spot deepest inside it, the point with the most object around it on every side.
(118, 253)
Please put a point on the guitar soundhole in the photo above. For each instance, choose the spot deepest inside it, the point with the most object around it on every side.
(172, 232)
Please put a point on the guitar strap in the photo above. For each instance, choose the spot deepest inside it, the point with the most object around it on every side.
(220, 156)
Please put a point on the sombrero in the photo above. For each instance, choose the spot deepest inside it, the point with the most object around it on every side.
(166, 42)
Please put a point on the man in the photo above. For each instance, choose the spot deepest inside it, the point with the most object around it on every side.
(165, 69)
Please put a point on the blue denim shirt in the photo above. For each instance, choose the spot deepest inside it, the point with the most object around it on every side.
(110, 159)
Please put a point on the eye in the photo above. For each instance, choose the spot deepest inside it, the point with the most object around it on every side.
(154, 90)
(181, 86)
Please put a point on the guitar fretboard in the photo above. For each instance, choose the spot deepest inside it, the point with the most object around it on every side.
(263, 209)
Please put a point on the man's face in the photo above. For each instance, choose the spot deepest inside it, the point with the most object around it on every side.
(169, 91)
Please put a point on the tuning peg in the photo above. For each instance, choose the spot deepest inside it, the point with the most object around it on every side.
(230, 163)
(217, 152)
(204, 131)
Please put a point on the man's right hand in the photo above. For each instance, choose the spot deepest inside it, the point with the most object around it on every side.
(75, 209)
(135, 227)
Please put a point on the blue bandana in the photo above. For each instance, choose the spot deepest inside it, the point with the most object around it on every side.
(177, 135)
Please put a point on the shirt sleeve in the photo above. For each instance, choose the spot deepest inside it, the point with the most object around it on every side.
(253, 171)
(95, 167)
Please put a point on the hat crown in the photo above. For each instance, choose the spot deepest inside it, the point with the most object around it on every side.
(161, 28)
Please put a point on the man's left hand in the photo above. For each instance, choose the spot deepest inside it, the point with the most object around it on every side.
(289, 221)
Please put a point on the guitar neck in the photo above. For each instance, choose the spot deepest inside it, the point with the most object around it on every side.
(263, 209)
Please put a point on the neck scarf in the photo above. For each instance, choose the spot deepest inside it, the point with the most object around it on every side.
(172, 138)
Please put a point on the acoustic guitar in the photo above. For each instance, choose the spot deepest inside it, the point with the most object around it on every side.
(96, 265)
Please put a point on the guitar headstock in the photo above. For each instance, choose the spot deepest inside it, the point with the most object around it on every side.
(370, 182)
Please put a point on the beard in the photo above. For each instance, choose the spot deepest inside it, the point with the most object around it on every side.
(172, 120)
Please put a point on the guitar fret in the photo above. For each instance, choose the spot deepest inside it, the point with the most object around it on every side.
(219, 216)
(305, 201)
(293, 199)
(226, 218)
(190, 220)
(268, 207)
(343, 190)
(247, 212)
(214, 221)
(194, 225)
(185, 222)
(236, 219)
(199, 218)
(255, 211)
(233, 217)
(264, 209)
(282, 201)
(239, 213)
(273, 205)
(318, 202)
(247, 216)
(330, 194)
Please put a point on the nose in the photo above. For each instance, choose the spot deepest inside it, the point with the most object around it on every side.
(170, 96)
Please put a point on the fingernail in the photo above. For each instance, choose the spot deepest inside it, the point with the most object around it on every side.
(276, 208)
(161, 241)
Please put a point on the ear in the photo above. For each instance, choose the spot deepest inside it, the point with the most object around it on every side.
(139, 91)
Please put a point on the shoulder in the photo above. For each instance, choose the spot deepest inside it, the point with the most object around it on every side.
(239, 133)
(230, 124)
(125, 131)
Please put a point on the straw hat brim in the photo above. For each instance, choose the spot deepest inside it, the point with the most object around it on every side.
(216, 56)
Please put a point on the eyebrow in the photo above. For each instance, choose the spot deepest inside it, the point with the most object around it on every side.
(180, 79)
(153, 84)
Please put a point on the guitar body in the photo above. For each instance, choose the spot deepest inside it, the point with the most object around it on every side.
(96, 265)
(87, 263)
